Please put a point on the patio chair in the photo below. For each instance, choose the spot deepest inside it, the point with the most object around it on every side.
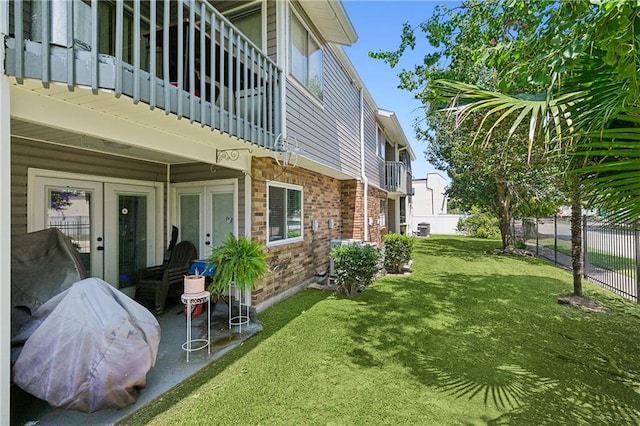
(156, 283)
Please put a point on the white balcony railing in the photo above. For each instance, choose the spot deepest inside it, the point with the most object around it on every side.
(180, 56)
(396, 177)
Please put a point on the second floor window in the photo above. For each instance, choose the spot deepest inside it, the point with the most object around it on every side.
(380, 148)
(306, 58)
(250, 23)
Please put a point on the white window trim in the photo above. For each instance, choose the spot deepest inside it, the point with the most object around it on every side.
(285, 240)
(292, 77)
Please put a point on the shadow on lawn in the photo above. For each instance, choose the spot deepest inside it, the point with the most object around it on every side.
(500, 338)
(276, 319)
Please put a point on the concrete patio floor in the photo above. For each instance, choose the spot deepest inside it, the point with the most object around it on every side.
(171, 368)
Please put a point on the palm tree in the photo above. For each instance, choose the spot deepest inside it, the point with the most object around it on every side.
(593, 115)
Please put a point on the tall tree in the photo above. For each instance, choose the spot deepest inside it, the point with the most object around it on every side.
(592, 104)
(489, 166)
(496, 177)
(531, 47)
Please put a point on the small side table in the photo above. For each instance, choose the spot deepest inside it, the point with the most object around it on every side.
(192, 300)
(243, 309)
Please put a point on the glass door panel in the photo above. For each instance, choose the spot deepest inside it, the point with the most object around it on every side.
(132, 238)
(222, 217)
(205, 214)
(130, 229)
(189, 205)
(74, 207)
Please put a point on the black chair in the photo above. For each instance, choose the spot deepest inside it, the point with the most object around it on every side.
(157, 283)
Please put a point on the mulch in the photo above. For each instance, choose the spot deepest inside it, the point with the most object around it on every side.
(582, 303)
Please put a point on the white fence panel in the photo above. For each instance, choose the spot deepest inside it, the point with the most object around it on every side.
(440, 224)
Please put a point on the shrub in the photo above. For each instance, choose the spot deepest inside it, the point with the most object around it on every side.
(397, 251)
(355, 266)
(480, 224)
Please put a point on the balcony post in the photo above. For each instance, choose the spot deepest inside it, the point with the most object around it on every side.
(5, 223)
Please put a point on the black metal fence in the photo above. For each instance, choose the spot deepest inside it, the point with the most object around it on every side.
(610, 251)
(78, 230)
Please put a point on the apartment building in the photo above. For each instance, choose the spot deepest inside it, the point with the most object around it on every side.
(121, 119)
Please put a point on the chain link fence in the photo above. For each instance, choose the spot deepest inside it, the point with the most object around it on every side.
(609, 250)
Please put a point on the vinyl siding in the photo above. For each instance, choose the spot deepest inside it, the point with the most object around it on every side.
(328, 133)
(272, 31)
(26, 18)
(374, 165)
(27, 154)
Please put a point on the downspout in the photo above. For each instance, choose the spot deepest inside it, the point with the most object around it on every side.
(365, 181)
(283, 61)
(433, 207)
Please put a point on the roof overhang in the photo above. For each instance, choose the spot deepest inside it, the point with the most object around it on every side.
(331, 20)
(389, 121)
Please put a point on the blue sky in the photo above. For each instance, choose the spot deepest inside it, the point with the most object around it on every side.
(379, 24)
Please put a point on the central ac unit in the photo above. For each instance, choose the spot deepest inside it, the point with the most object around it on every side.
(335, 243)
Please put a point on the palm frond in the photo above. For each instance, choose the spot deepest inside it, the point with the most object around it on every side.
(612, 176)
(466, 99)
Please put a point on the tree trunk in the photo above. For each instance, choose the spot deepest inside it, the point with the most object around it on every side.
(504, 215)
(576, 241)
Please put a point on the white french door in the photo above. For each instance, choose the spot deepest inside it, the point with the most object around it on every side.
(206, 213)
(130, 223)
(75, 207)
(113, 225)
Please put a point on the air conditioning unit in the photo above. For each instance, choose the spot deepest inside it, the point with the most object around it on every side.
(335, 243)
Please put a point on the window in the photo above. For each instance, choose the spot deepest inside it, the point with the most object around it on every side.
(406, 160)
(285, 213)
(249, 22)
(306, 58)
(383, 213)
(380, 144)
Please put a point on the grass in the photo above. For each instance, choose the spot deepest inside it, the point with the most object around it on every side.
(619, 264)
(467, 338)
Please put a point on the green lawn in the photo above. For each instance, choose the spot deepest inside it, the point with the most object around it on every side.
(467, 338)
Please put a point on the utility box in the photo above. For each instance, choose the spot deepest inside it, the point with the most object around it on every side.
(424, 229)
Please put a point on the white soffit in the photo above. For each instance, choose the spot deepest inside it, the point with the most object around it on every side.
(389, 121)
(331, 19)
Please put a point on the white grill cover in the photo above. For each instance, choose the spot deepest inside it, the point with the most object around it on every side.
(88, 348)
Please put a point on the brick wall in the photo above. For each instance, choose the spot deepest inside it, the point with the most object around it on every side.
(351, 209)
(293, 264)
(375, 230)
(324, 198)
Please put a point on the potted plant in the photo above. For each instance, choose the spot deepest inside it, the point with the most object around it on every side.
(239, 262)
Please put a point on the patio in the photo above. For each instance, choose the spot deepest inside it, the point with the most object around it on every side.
(170, 369)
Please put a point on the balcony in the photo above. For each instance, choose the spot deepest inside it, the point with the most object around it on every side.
(397, 178)
(181, 57)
